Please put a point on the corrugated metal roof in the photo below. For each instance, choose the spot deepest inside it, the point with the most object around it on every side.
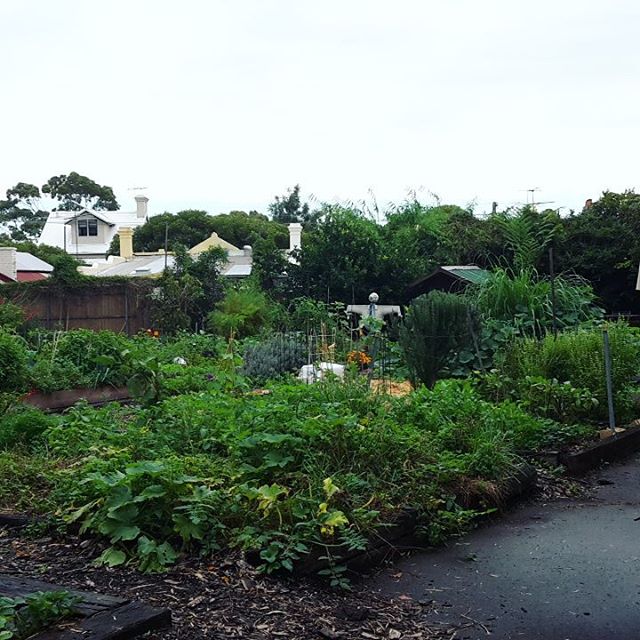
(27, 262)
(470, 273)
(237, 271)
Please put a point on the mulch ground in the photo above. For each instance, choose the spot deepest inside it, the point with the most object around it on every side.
(222, 597)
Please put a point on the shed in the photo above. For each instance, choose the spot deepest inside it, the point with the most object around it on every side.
(450, 279)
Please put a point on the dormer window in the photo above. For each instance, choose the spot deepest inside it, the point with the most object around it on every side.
(88, 227)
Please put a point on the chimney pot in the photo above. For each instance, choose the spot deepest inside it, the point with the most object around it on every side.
(126, 242)
(141, 206)
(295, 236)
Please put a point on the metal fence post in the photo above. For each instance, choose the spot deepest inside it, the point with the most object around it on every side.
(607, 372)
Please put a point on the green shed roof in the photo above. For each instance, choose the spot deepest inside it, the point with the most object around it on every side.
(470, 273)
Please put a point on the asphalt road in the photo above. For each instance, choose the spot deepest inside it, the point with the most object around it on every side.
(566, 570)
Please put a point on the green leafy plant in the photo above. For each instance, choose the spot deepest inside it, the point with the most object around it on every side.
(141, 508)
(524, 300)
(11, 315)
(24, 427)
(13, 363)
(23, 617)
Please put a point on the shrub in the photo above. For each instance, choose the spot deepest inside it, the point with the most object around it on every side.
(274, 357)
(195, 348)
(13, 363)
(243, 312)
(435, 325)
(24, 426)
(543, 397)
(11, 315)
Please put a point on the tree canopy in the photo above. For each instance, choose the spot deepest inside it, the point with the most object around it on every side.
(290, 208)
(191, 226)
(20, 214)
(74, 192)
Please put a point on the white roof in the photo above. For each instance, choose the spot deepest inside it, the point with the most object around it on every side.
(238, 271)
(153, 265)
(27, 262)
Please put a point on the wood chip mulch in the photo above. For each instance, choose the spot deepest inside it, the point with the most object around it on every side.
(222, 597)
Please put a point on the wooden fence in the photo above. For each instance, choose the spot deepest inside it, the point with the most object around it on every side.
(122, 306)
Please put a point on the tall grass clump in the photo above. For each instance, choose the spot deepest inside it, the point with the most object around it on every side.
(525, 299)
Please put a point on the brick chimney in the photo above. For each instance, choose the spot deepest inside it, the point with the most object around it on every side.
(126, 242)
(141, 206)
(8, 265)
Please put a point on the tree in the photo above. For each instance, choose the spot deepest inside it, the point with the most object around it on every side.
(601, 244)
(43, 251)
(289, 208)
(188, 290)
(269, 262)
(241, 228)
(74, 192)
(207, 269)
(416, 242)
(65, 270)
(342, 258)
(186, 228)
(20, 213)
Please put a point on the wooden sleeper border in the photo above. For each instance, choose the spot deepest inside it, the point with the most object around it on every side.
(617, 446)
(61, 400)
(99, 617)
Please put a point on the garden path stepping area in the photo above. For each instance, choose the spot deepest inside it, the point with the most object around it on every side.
(99, 617)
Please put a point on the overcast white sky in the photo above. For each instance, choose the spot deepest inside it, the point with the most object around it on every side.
(222, 104)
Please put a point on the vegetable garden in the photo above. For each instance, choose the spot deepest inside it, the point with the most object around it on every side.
(221, 446)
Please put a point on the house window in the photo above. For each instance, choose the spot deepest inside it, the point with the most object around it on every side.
(88, 227)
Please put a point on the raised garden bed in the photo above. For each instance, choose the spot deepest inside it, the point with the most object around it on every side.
(60, 400)
(99, 617)
(613, 448)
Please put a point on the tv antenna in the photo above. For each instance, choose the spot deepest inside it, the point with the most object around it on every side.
(531, 197)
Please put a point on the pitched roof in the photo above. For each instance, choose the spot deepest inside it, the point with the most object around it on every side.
(214, 240)
(28, 262)
(95, 214)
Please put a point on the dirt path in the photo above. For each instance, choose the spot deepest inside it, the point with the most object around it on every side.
(565, 570)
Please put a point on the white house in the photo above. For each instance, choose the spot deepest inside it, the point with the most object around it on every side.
(87, 234)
